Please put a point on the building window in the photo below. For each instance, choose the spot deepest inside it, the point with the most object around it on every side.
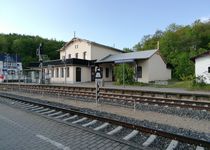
(84, 55)
(67, 71)
(62, 72)
(52, 73)
(107, 72)
(69, 56)
(76, 55)
(76, 46)
(57, 72)
(208, 69)
(139, 72)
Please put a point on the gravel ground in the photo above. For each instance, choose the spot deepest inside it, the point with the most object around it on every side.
(163, 127)
(184, 146)
(160, 143)
(140, 138)
(182, 112)
(123, 133)
(98, 123)
(108, 128)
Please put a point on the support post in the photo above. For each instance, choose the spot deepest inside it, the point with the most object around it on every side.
(97, 91)
(124, 75)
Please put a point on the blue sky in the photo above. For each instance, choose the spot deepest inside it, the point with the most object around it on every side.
(122, 23)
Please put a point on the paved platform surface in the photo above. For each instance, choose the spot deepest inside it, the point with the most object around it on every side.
(20, 130)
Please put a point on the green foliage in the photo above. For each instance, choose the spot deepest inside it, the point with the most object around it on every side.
(178, 44)
(199, 81)
(187, 78)
(25, 46)
(127, 50)
(128, 74)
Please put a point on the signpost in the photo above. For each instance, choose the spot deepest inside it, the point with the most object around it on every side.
(98, 79)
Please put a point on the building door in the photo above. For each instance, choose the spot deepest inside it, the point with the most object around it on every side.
(92, 73)
(78, 74)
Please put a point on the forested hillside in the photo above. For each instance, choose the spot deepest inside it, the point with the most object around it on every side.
(25, 46)
(178, 44)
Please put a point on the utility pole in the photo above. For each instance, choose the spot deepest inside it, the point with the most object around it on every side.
(158, 45)
(74, 34)
(39, 54)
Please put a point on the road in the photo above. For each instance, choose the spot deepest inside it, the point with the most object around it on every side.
(21, 130)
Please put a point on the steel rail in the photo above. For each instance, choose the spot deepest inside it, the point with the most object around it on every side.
(144, 129)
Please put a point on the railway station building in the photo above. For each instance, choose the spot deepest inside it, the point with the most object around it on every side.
(79, 58)
(148, 65)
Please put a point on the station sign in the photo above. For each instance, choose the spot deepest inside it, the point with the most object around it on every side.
(98, 74)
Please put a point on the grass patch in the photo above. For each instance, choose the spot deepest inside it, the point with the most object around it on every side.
(181, 84)
(188, 85)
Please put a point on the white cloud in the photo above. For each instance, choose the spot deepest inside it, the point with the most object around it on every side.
(204, 19)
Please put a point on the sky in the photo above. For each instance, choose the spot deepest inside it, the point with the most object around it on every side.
(118, 23)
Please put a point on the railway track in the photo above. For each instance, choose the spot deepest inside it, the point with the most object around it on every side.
(122, 97)
(139, 135)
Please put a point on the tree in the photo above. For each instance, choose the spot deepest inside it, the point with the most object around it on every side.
(178, 44)
(127, 50)
(25, 46)
(128, 73)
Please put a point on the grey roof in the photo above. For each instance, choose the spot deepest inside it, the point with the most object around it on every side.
(128, 56)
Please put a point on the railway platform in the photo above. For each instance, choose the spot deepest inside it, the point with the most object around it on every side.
(20, 130)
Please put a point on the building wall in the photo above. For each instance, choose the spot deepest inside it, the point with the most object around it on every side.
(157, 69)
(85, 75)
(60, 79)
(110, 68)
(77, 47)
(145, 70)
(93, 52)
(201, 67)
(98, 52)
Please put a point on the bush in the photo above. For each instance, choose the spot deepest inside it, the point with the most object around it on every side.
(128, 74)
(199, 81)
(187, 78)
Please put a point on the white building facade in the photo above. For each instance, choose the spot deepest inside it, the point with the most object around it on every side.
(76, 63)
(79, 58)
(202, 66)
(148, 65)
